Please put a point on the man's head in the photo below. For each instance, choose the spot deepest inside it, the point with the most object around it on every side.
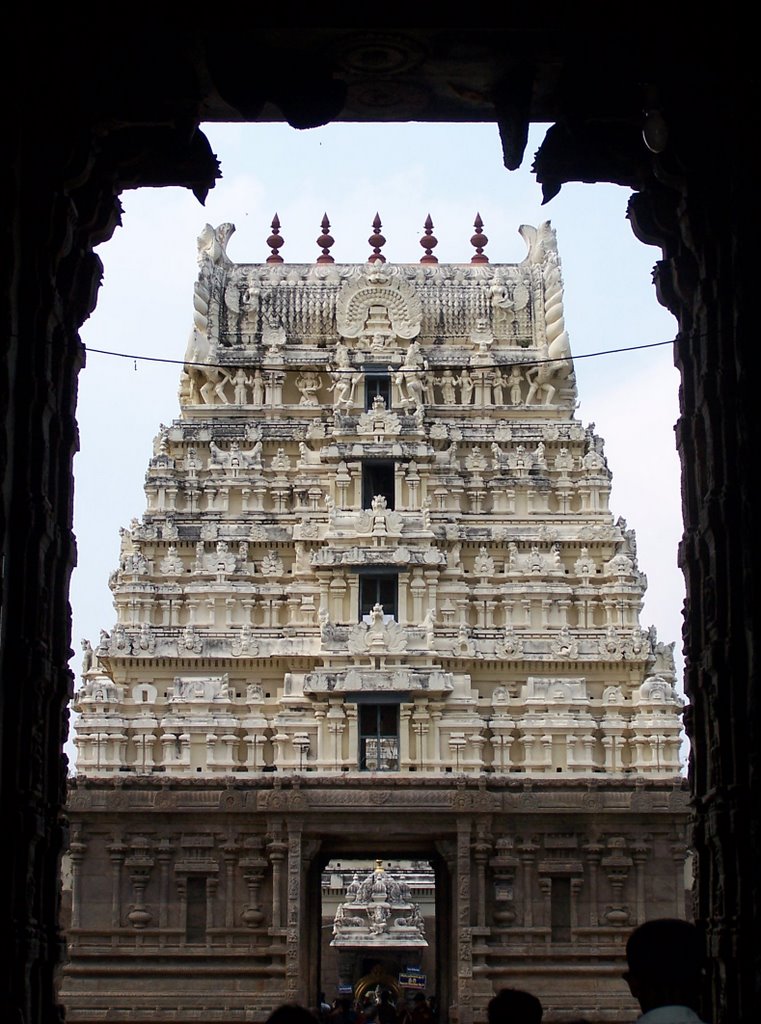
(512, 1006)
(665, 959)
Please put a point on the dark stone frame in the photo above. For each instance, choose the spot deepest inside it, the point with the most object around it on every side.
(92, 113)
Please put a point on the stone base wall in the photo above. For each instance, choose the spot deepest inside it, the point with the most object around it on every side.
(201, 900)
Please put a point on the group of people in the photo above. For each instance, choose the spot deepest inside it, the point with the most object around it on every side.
(665, 965)
(379, 1008)
(383, 1009)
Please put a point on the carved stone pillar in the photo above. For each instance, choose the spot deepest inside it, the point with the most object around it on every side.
(117, 851)
(351, 718)
(336, 720)
(527, 852)
(277, 849)
(617, 866)
(230, 856)
(640, 848)
(576, 887)
(139, 864)
(211, 892)
(679, 853)
(464, 939)
(164, 851)
(419, 723)
(77, 850)
(405, 714)
(434, 736)
(503, 865)
(254, 866)
(481, 849)
(295, 988)
(545, 888)
(593, 851)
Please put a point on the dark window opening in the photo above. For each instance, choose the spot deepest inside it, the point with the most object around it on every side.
(377, 385)
(195, 917)
(378, 589)
(378, 479)
(379, 737)
(560, 910)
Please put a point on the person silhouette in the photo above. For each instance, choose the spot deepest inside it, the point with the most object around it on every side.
(513, 1006)
(665, 959)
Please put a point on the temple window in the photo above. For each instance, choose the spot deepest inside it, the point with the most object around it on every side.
(379, 737)
(378, 588)
(378, 479)
(560, 909)
(377, 385)
(195, 919)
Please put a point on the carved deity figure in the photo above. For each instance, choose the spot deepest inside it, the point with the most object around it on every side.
(240, 380)
(428, 625)
(498, 457)
(563, 461)
(497, 384)
(343, 387)
(515, 380)
(379, 505)
(467, 384)
(309, 383)
(484, 563)
(414, 358)
(378, 916)
(482, 336)
(273, 335)
(257, 389)
(415, 394)
(447, 383)
(341, 356)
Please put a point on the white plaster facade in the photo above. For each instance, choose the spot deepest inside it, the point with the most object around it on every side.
(247, 634)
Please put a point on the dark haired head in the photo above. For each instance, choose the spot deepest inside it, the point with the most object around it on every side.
(512, 1006)
(665, 959)
(290, 1013)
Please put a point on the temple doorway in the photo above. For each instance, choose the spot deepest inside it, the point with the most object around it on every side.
(380, 928)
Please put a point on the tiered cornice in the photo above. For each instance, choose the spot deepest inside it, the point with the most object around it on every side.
(377, 538)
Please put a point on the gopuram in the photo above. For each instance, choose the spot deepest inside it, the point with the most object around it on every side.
(377, 607)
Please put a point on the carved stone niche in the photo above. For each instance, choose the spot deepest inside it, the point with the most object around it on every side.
(139, 864)
(617, 864)
(254, 865)
(503, 865)
(200, 689)
(397, 680)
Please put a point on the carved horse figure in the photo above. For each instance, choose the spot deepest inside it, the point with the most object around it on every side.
(206, 381)
(554, 357)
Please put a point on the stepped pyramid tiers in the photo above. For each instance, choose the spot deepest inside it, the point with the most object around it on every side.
(377, 573)
(377, 486)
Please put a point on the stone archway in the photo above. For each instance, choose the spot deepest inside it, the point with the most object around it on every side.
(91, 120)
(438, 852)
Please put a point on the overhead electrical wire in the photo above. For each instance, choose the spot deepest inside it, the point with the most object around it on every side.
(355, 369)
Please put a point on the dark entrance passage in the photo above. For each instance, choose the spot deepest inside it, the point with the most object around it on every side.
(384, 925)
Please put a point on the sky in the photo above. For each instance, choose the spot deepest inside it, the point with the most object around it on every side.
(403, 172)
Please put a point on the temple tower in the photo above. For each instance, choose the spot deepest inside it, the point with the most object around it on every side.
(377, 604)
